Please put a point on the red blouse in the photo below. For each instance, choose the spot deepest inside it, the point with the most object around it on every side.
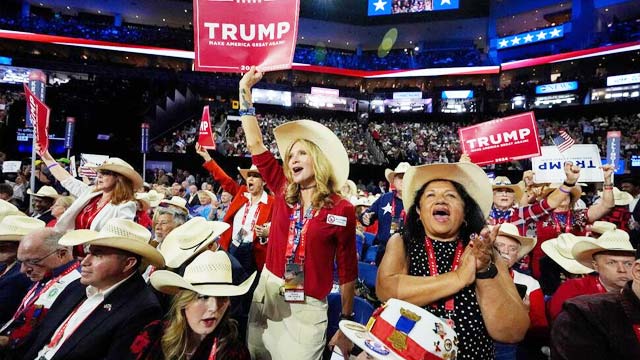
(88, 213)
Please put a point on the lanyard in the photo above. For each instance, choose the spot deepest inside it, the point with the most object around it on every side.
(55, 340)
(214, 350)
(32, 296)
(246, 213)
(403, 214)
(433, 267)
(568, 226)
(297, 232)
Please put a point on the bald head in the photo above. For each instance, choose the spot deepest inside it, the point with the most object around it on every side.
(40, 253)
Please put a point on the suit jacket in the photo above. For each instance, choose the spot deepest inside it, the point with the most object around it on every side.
(13, 287)
(109, 331)
(237, 190)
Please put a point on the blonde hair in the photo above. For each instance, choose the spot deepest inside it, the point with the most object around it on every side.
(65, 201)
(326, 183)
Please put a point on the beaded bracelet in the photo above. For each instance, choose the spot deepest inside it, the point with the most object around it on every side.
(52, 165)
(564, 191)
(608, 187)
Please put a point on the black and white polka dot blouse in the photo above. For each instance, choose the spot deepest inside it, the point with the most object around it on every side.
(474, 341)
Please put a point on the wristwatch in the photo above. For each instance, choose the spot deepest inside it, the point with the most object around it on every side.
(347, 317)
(490, 273)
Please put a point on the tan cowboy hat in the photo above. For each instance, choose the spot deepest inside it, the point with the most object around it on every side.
(209, 274)
(469, 175)
(152, 198)
(612, 240)
(120, 234)
(559, 250)
(245, 172)
(175, 201)
(123, 168)
(621, 198)
(45, 191)
(211, 195)
(600, 227)
(400, 169)
(511, 231)
(503, 182)
(353, 189)
(329, 144)
(15, 227)
(7, 208)
(190, 239)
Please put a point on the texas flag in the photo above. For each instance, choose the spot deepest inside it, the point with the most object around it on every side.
(380, 7)
(445, 5)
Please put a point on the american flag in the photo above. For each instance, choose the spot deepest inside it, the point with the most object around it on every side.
(563, 141)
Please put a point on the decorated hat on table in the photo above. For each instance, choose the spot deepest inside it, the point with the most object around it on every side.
(400, 330)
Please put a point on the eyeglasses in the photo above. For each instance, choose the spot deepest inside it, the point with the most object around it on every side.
(36, 262)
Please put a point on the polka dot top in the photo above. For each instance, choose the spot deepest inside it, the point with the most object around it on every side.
(475, 342)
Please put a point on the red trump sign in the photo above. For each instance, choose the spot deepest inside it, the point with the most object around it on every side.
(233, 35)
(501, 140)
(38, 114)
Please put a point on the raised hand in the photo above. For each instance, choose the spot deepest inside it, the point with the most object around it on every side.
(483, 247)
(202, 152)
(250, 78)
(572, 172)
(608, 170)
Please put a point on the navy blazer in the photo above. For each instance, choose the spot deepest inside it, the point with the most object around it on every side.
(13, 287)
(109, 331)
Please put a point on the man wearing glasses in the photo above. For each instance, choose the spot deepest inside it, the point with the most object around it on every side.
(53, 270)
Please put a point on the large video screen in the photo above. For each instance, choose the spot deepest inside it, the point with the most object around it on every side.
(393, 7)
(271, 97)
(408, 105)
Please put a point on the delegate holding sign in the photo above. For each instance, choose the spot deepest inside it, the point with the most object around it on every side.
(233, 35)
(501, 140)
(549, 167)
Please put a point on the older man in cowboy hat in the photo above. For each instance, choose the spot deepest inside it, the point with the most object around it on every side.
(169, 214)
(387, 210)
(605, 326)
(42, 202)
(52, 269)
(101, 320)
(611, 256)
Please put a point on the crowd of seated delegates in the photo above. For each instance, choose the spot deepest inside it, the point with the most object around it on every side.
(178, 140)
(7, 98)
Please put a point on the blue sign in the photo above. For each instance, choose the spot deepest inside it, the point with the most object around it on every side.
(68, 133)
(613, 148)
(531, 37)
(144, 138)
(386, 7)
(558, 87)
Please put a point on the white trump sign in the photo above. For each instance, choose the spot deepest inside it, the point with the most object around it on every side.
(549, 167)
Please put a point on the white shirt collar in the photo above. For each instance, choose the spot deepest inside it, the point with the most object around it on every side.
(263, 197)
(93, 291)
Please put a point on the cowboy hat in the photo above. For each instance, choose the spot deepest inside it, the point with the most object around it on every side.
(503, 182)
(189, 239)
(329, 144)
(120, 234)
(621, 198)
(399, 329)
(245, 172)
(600, 227)
(559, 250)
(353, 189)
(123, 168)
(15, 227)
(7, 208)
(511, 231)
(208, 193)
(612, 240)
(469, 175)
(209, 274)
(45, 191)
(400, 169)
(152, 198)
(175, 201)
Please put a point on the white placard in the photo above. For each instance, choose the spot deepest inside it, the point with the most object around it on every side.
(11, 166)
(549, 167)
(72, 166)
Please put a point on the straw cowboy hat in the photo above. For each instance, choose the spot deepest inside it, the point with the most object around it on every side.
(329, 144)
(469, 175)
(511, 231)
(400, 169)
(152, 198)
(209, 274)
(45, 191)
(123, 168)
(503, 182)
(245, 172)
(208, 193)
(621, 198)
(559, 250)
(189, 239)
(353, 189)
(612, 240)
(15, 227)
(175, 201)
(120, 234)
(7, 208)
(415, 333)
(600, 227)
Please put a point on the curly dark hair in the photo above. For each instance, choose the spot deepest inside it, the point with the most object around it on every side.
(474, 219)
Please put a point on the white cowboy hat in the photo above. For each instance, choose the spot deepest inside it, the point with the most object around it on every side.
(621, 198)
(469, 175)
(152, 197)
(559, 250)
(245, 172)
(209, 274)
(361, 201)
(189, 239)
(400, 169)
(329, 144)
(211, 195)
(175, 201)
(15, 227)
(123, 168)
(600, 227)
(413, 329)
(612, 240)
(353, 189)
(45, 191)
(511, 231)
(120, 234)
(503, 182)
(7, 208)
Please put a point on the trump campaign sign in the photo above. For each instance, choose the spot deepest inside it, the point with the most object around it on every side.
(549, 167)
(501, 140)
(38, 115)
(233, 35)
